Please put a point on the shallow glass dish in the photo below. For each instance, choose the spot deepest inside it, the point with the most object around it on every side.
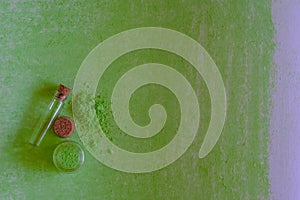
(68, 156)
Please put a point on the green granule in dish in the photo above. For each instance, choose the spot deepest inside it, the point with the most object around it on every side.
(68, 156)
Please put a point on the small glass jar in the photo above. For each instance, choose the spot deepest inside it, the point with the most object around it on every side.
(68, 156)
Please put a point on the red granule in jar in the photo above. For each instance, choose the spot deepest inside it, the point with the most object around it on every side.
(64, 126)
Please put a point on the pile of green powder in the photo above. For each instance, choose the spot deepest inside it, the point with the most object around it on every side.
(102, 105)
(104, 114)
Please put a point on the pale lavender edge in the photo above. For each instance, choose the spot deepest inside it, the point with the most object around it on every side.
(284, 148)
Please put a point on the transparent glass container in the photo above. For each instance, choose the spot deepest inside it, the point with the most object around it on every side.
(68, 156)
(49, 116)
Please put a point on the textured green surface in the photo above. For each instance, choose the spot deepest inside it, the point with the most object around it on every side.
(44, 43)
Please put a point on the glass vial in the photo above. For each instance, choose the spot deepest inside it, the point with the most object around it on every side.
(49, 117)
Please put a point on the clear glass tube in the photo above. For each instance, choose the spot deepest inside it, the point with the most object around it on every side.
(47, 120)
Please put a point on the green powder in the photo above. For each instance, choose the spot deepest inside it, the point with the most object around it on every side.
(103, 112)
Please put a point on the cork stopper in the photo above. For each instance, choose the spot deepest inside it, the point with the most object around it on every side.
(64, 126)
(62, 92)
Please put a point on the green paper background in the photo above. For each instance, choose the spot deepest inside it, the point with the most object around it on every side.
(43, 44)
